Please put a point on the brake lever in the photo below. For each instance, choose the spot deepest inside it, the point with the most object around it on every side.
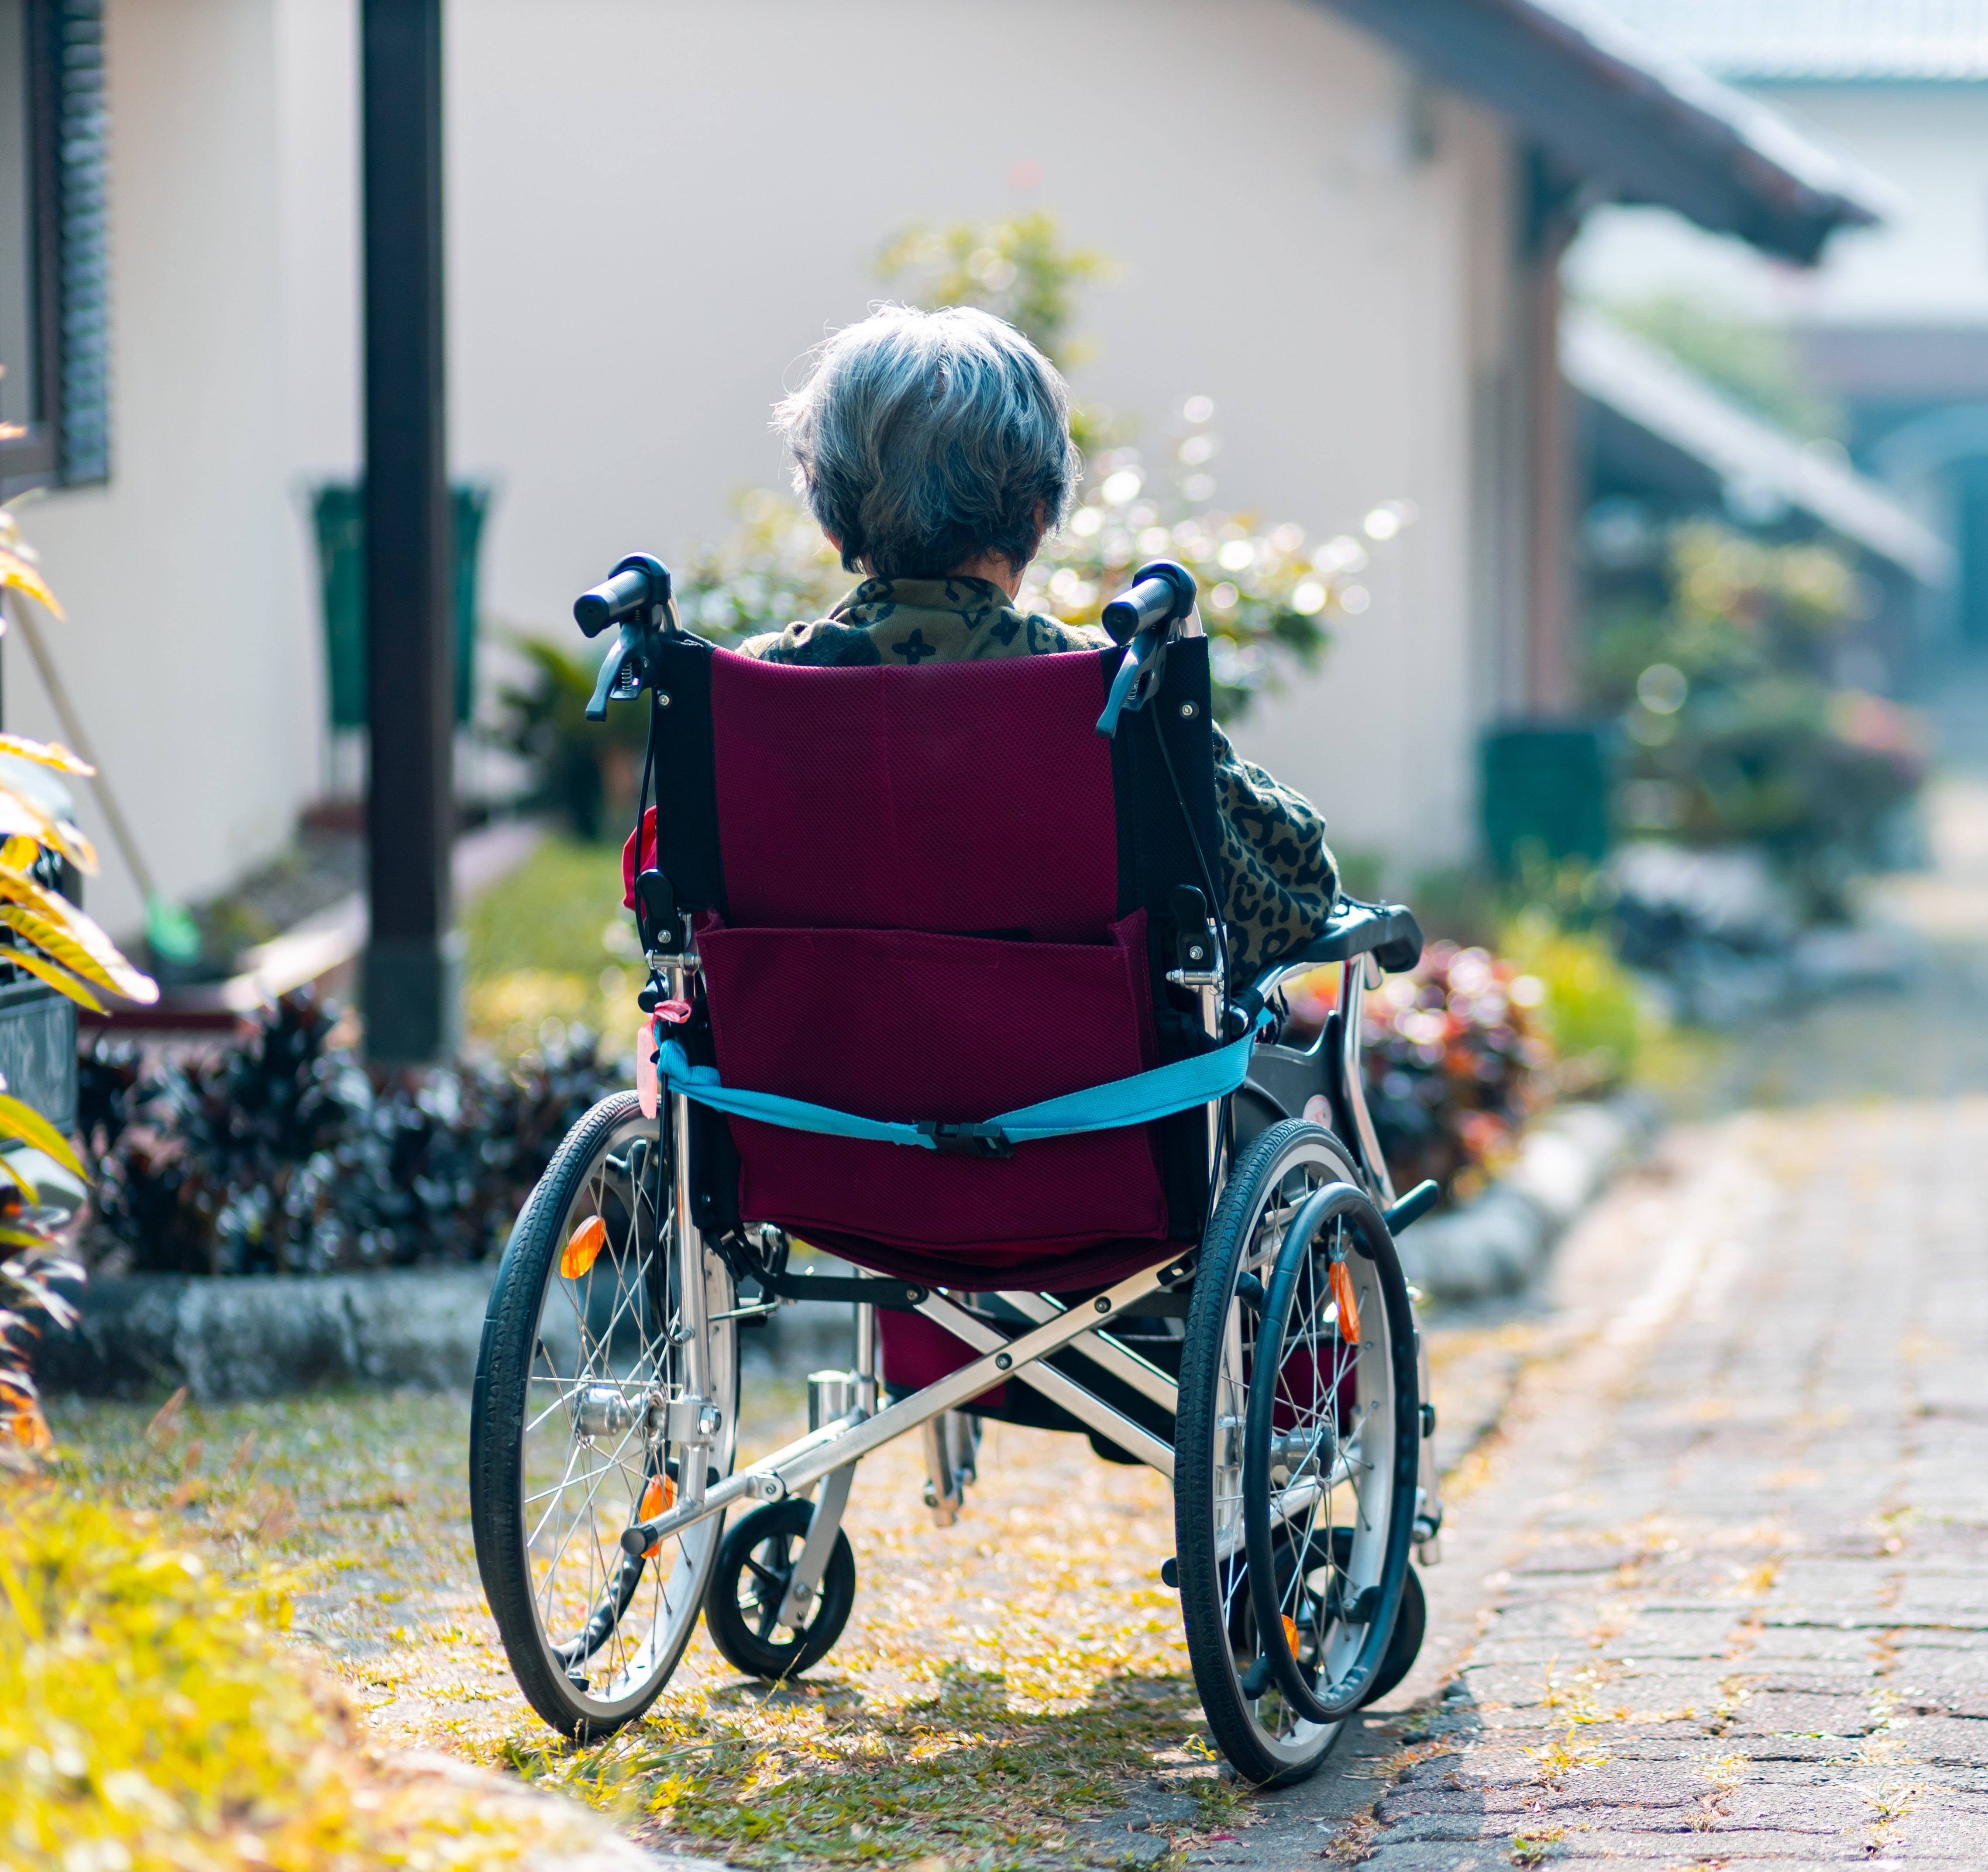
(608, 686)
(1145, 657)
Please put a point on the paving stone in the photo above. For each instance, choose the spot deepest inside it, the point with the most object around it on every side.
(1758, 1494)
(1777, 1712)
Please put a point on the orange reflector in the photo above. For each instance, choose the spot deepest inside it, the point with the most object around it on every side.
(1291, 1633)
(582, 1245)
(660, 1495)
(1349, 1307)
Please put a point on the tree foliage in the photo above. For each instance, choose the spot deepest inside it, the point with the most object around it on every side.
(44, 936)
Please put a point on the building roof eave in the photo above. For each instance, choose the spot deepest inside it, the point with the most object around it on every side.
(1648, 388)
(1640, 123)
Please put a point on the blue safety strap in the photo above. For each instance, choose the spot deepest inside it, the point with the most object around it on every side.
(1139, 1100)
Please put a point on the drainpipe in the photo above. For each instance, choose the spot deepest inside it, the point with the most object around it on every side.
(1553, 219)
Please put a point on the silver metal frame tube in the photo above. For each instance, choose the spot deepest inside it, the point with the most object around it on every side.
(823, 1525)
(803, 1463)
(1108, 1353)
(1352, 981)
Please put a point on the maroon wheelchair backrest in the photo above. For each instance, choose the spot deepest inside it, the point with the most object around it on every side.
(963, 797)
(927, 894)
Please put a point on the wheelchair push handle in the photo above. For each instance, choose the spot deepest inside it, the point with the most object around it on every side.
(1142, 619)
(1161, 592)
(641, 582)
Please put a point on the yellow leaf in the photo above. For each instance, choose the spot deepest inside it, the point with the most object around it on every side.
(59, 945)
(19, 852)
(15, 571)
(81, 929)
(20, 815)
(59, 979)
(20, 1182)
(29, 1125)
(45, 754)
(583, 1246)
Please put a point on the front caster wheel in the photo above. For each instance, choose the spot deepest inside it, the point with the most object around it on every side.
(755, 1566)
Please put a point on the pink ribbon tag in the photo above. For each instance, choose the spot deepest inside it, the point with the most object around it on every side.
(646, 1087)
(648, 1044)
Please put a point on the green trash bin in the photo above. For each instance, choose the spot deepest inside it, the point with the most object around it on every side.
(1546, 791)
(338, 514)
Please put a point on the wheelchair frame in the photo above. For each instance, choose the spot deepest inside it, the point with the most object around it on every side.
(851, 1417)
(832, 1449)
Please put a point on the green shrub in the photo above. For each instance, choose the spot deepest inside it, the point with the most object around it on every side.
(1584, 998)
(1719, 667)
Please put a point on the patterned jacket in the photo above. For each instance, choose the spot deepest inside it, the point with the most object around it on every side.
(1279, 879)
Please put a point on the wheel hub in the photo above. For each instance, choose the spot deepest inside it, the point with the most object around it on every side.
(603, 1411)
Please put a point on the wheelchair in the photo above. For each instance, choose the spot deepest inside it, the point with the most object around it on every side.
(938, 987)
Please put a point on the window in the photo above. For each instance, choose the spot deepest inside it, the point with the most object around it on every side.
(54, 327)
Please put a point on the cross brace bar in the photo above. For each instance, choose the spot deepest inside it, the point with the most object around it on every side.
(851, 1437)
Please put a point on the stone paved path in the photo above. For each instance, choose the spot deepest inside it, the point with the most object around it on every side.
(1717, 1593)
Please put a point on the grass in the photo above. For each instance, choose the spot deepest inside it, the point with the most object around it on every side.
(551, 943)
(151, 1715)
(1002, 1685)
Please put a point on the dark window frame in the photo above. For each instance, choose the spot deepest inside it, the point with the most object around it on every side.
(67, 443)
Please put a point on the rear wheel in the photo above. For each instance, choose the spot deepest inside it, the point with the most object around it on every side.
(1271, 1737)
(582, 1351)
(1331, 1442)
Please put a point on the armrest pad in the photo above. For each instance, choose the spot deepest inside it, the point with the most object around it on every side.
(1389, 932)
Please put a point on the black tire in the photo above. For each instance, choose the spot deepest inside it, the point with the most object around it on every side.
(754, 1566)
(1270, 1743)
(592, 1634)
(1405, 1645)
(1332, 1440)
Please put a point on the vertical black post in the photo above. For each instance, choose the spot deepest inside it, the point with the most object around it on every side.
(411, 989)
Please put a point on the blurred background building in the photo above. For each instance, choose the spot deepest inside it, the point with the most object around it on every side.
(1342, 223)
(1888, 335)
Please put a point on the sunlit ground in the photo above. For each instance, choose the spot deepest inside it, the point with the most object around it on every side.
(1000, 1682)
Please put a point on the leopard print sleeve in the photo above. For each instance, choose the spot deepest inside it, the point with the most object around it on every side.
(1280, 880)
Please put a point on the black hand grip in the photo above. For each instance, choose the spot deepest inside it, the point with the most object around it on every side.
(640, 580)
(1149, 602)
(607, 603)
(1161, 592)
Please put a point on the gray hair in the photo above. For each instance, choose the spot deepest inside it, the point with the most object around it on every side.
(925, 439)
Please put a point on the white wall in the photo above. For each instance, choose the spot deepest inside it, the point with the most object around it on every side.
(658, 207)
(1927, 265)
(655, 207)
(184, 648)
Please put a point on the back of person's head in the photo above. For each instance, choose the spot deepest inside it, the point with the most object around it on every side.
(925, 439)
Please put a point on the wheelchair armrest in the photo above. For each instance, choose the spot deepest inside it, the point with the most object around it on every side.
(1389, 932)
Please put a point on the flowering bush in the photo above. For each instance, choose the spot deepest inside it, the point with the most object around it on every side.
(1721, 661)
(1454, 1061)
(1266, 594)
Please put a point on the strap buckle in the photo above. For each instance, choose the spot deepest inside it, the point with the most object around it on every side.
(967, 1140)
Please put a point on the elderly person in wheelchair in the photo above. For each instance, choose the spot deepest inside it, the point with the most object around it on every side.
(965, 929)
